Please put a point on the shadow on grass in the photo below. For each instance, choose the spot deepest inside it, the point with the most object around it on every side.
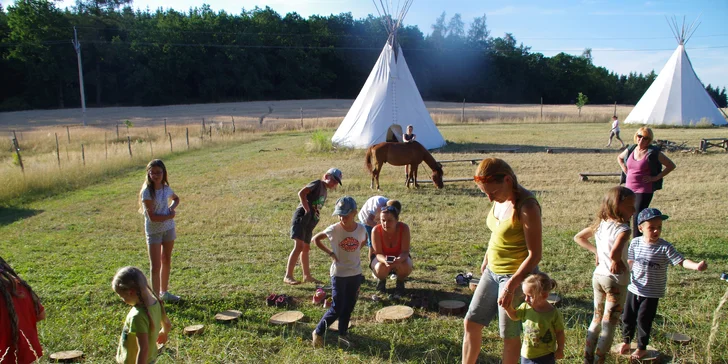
(9, 215)
(470, 147)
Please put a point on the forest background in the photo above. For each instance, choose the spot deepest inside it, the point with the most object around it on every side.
(162, 57)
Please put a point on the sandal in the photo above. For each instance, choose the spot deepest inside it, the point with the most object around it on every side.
(271, 300)
(282, 300)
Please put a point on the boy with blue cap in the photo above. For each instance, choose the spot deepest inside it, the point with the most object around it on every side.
(347, 238)
(648, 258)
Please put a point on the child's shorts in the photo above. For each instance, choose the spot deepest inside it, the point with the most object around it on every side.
(302, 225)
(159, 238)
(546, 359)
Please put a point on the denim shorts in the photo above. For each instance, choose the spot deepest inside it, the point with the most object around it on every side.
(484, 306)
(163, 237)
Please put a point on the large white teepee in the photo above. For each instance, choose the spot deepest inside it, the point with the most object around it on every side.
(676, 97)
(389, 100)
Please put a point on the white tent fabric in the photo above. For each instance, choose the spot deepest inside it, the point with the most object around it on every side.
(676, 97)
(388, 102)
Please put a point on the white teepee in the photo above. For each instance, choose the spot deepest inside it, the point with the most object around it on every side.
(389, 100)
(676, 97)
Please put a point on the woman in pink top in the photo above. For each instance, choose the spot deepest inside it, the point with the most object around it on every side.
(644, 167)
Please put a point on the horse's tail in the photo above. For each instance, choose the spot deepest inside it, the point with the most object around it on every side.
(368, 160)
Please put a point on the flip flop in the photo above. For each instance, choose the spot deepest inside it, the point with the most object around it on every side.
(290, 280)
(271, 300)
(282, 300)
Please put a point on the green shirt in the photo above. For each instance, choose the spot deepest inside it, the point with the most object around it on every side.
(539, 330)
(137, 322)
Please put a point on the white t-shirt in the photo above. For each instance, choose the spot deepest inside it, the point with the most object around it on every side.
(615, 126)
(161, 207)
(369, 213)
(346, 245)
(606, 236)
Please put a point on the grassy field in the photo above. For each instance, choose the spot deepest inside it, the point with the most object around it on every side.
(237, 198)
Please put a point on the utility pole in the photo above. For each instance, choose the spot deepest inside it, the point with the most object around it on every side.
(77, 46)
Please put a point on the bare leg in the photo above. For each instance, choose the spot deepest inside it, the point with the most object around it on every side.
(624, 349)
(292, 258)
(304, 265)
(472, 340)
(167, 247)
(511, 350)
(155, 264)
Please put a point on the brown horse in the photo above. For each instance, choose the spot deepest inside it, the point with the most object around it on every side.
(400, 154)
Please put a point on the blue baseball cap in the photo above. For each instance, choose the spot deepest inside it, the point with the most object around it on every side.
(344, 206)
(649, 214)
(336, 173)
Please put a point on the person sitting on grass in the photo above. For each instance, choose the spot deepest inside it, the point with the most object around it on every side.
(347, 237)
(305, 218)
(369, 215)
(390, 250)
(648, 257)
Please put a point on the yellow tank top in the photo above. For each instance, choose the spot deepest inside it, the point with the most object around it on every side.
(507, 246)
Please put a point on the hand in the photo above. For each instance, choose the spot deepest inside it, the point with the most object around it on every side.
(172, 214)
(506, 298)
(333, 257)
(559, 354)
(617, 267)
(648, 179)
(307, 209)
(596, 260)
(702, 266)
(483, 267)
(162, 338)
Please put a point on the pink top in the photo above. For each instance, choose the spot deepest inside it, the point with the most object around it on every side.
(636, 169)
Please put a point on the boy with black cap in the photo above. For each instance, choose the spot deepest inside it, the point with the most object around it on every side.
(305, 218)
(346, 237)
(648, 258)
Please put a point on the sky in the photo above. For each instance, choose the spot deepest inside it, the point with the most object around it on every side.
(624, 35)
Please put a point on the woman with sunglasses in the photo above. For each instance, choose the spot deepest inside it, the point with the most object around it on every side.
(642, 171)
(514, 251)
(390, 250)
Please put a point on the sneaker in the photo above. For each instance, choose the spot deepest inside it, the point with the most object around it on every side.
(724, 276)
(399, 290)
(317, 340)
(392, 276)
(319, 297)
(168, 297)
(382, 285)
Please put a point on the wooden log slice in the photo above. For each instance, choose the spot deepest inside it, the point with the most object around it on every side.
(451, 307)
(194, 329)
(286, 317)
(67, 356)
(679, 338)
(335, 325)
(473, 284)
(394, 313)
(229, 315)
(652, 354)
(553, 299)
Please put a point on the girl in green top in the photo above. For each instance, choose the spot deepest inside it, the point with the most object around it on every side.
(543, 325)
(514, 251)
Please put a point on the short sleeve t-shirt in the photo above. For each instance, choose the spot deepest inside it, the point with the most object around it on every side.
(161, 207)
(316, 197)
(369, 213)
(137, 322)
(649, 270)
(539, 330)
(27, 330)
(346, 245)
(606, 236)
(615, 126)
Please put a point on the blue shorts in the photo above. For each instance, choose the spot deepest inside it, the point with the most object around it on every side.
(546, 359)
(163, 237)
(484, 306)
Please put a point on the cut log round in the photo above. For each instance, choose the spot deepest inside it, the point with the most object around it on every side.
(194, 329)
(229, 315)
(335, 325)
(679, 338)
(394, 313)
(553, 299)
(286, 317)
(67, 356)
(652, 354)
(473, 284)
(451, 307)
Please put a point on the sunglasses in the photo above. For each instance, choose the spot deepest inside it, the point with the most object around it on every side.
(389, 209)
(640, 136)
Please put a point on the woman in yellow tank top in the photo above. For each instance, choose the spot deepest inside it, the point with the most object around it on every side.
(514, 251)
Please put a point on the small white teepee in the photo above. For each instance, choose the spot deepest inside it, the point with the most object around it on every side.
(389, 100)
(676, 97)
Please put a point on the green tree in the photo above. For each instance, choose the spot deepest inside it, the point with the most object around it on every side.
(581, 100)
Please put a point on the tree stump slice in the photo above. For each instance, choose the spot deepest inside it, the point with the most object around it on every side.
(394, 313)
(451, 307)
(679, 338)
(286, 317)
(335, 326)
(227, 316)
(553, 299)
(194, 329)
(473, 284)
(67, 356)
(652, 356)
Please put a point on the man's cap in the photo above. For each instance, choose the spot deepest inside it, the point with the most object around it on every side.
(649, 214)
(336, 173)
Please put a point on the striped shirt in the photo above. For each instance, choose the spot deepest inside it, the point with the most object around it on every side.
(649, 270)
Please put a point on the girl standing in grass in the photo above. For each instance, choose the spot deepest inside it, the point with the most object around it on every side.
(611, 276)
(146, 324)
(20, 309)
(543, 325)
(159, 226)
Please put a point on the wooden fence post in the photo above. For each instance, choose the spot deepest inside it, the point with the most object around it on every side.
(151, 149)
(301, 118)
(170, 142)
(17, 152)
(615, 109)
(68, 132)
(165, 125)
(187, 135)
(233, 124)
(106, 146)
(83, 155)
(542, 109)
(128, 143)
(210, 132)
(58, 152)
(117, 131)
(462, 112)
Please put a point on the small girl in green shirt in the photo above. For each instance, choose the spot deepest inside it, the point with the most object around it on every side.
(543, 325)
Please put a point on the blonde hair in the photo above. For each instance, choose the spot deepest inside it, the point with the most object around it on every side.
(131, 278)
(609, 209)
(539, 282)
(495, 170)
(645, 132)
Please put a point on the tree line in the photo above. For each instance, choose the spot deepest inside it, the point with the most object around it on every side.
(146, 57)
